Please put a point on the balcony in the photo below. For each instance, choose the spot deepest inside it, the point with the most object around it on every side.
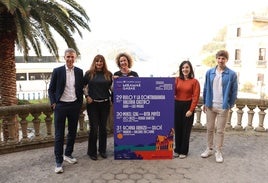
(237, 63)
(261, 63)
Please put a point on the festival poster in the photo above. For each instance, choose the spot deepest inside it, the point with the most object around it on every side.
(143, 118)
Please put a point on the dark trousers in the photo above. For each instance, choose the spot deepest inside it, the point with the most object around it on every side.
(98, 113)
(183, 126)
(63, 111)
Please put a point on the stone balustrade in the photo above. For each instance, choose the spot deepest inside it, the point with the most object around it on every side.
(240, 122)
(38, 133)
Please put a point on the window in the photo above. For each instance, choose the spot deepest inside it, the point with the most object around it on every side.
(39, 76)
(238, 77)
(260, 77)
(21, 76)
(35, 59)
(237, 54)
(262, 54)
(238, 32)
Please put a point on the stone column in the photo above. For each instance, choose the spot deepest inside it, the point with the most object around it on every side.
(36, 124)
(228, 124)
(48, 121)
(250, 117)
(24, 126)
(262, 114)
(240, 113)
(198, 113)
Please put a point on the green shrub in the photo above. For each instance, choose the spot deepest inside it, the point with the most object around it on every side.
(247, 87)
(23, 102)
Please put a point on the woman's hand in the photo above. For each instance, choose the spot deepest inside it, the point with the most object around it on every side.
(89, 100)
(188, 113)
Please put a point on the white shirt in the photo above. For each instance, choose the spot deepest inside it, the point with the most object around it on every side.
(69, 90)
(217, 90)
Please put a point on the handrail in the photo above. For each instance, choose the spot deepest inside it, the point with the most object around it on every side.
(16, 135)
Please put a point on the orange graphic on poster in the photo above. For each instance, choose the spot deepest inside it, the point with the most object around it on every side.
(119, 135)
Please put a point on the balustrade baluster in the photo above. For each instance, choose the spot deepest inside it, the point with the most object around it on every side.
(10, 121)
(240, 113)
(260, 128)
(24, 126)
(198, 113)
(48, 121)
(1, 121)
(228, 124)
(36, 123)
(250, 117)
(82, 124)
(110, 121)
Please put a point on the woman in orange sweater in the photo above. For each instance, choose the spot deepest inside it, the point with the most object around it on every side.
(187, 93)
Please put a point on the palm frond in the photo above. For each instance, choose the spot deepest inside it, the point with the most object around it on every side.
(37, 19)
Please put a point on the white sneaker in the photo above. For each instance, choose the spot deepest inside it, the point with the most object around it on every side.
(208, 152)
(58, 168)
(70, 159)
(219, 158)
(182, 156)
(175, 155)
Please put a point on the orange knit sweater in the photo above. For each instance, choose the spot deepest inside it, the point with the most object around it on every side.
(186, 90)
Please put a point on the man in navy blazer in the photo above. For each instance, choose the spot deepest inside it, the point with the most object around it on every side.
(66, 98)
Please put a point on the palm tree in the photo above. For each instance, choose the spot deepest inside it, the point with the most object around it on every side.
(27, 24)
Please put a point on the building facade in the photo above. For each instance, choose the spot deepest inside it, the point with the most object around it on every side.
(33, 76)
(247, 43)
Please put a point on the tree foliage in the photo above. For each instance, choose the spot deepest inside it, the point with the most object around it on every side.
(30, 24)
(210, 49)
(210, 61)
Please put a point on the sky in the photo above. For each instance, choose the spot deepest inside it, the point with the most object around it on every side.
(163, 28)
(167, 31)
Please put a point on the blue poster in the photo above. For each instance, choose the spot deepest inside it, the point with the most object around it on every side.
(143, 118)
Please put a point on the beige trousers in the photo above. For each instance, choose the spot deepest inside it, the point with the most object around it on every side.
(216, 120)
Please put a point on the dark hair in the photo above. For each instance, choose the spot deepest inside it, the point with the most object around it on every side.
(222, 53)
(129, 59)
(191, 74)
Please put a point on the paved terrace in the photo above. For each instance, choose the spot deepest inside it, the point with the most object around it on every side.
(245, 153)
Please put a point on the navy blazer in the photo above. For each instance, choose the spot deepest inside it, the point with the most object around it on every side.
(58, 82)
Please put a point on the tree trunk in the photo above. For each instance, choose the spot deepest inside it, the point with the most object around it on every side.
(8, 88)
(7, 73)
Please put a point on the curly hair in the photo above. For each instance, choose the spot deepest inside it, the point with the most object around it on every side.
(129, 59)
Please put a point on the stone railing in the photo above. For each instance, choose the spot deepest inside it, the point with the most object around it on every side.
(238, 120)
(23, 135)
